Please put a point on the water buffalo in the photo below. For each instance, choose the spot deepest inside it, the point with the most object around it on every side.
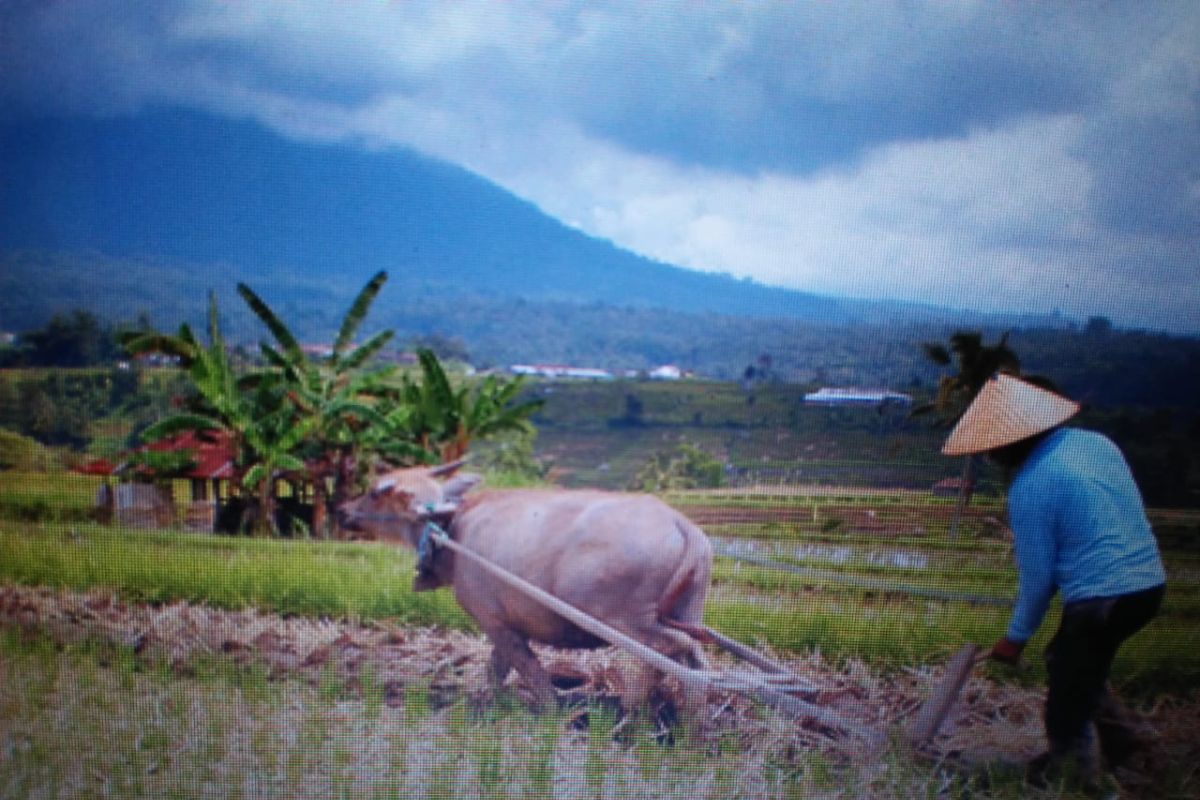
(629, 560)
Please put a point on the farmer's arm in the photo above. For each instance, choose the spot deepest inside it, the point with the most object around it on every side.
(1032, 513)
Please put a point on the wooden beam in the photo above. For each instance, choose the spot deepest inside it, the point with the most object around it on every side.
(937, 706)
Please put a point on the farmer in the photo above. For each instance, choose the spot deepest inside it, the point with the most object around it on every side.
(1079, 528)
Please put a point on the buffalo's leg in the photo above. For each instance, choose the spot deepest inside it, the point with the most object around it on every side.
(640, 680)
(511, 651)
(498, 669)
(643, 678)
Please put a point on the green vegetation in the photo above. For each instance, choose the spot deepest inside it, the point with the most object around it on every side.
(839, 496)
(1139, 388)
(46, 498)
(976, 364)
(850, 603)
(96, 719)
(685, 467)
(303, 577)
(322, 423)
(78, 339)
(23, 453)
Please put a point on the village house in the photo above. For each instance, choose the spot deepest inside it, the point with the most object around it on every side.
(561, 371)
(874, 398)
(149, 502)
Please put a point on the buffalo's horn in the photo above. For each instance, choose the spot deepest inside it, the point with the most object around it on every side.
(446, 469)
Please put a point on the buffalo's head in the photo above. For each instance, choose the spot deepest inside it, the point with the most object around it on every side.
(400, 503)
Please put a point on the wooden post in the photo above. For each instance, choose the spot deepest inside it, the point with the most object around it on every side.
(933, 712)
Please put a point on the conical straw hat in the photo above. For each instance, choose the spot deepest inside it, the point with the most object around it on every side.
(1006, 410)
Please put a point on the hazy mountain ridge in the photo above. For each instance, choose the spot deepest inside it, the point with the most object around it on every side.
(207, 201)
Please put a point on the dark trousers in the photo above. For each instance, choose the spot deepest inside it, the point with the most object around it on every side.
(1078, 660)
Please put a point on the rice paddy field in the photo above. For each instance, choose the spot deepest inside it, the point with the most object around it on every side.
(171, 664)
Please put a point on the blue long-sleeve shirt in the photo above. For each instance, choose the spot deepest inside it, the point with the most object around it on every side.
(1079, 527)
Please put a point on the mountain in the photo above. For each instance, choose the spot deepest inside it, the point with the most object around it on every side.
(186, 188)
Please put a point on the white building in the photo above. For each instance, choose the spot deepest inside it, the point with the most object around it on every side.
(828, 396)
(561, 371)
(667, 372)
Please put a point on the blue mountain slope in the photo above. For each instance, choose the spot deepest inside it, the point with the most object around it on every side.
(182, 187)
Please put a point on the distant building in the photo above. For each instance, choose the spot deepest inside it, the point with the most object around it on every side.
(156, 360)
(561, 371)
(402, 357)
(828, 396)
(142, 505)
(667, 372)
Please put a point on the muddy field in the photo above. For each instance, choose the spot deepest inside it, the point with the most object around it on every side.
(991, 723)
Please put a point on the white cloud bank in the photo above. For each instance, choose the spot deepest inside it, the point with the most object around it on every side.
(1046, 159)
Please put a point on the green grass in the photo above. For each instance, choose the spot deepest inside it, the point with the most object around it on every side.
(893, 632)
(51, 497)
(289, 577)
(885, 627)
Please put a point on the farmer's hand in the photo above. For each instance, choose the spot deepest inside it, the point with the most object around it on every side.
(1006, 651)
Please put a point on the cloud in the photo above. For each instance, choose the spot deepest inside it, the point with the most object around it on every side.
(1024, 157)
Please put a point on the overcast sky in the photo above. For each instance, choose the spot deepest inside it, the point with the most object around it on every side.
(991, 156)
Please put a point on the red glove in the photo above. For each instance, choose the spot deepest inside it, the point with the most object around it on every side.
(1006, 651)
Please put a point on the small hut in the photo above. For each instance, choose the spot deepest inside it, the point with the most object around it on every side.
(209, 474)
(948, 487)
(147, 499)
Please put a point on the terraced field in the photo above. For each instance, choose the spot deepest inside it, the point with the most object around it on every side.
(865, 590)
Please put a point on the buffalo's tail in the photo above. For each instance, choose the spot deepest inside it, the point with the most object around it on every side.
(682, 604)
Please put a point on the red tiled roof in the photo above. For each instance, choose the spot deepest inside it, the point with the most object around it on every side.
(101, 466)
(212, 453)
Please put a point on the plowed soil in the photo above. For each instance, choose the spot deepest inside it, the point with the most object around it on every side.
(990, 721)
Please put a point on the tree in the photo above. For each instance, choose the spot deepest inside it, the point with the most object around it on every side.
(249, 408)
(335, 399)
(77, 339)
(509, 460)
(1098, 326)
(444, 419)
(687, 467)
(976, 363)
(326, 419)
(634, 408)
(446, 348)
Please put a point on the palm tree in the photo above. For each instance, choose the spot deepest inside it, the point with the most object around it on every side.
(325, 419)
(976, 364)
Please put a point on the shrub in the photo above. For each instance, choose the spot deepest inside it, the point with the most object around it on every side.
(25, 454)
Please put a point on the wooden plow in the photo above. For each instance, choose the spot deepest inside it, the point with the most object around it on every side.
(774, 685)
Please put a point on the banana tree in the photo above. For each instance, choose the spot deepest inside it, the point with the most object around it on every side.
(249, 408)
(335, 400)
(446, 419)
(976, 364)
